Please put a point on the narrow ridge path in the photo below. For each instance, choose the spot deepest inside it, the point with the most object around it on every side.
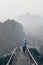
(22, 59)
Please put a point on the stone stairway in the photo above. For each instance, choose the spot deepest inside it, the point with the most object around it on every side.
(22, 59)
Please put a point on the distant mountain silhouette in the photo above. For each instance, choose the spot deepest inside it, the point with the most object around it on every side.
(32, 22)
(11, 34)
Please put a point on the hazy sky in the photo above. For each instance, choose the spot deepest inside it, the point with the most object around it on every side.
(14, 8)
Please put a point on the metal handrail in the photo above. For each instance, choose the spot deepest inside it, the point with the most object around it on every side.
(32, 57)
(11, 56)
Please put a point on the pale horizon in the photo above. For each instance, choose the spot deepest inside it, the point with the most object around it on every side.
(11, 9)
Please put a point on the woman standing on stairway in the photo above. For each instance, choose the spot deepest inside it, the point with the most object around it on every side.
(24, 45)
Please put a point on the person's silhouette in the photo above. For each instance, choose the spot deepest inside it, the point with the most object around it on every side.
(24, 45)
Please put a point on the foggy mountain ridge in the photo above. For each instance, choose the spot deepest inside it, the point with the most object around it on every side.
(11, 34)
(36, 21)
